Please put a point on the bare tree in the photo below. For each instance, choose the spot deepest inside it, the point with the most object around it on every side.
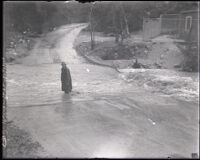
(125, 20)
(120, 22)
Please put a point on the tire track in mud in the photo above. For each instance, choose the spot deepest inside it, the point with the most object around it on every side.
(47, 50)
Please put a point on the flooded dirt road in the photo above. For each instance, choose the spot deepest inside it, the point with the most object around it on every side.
(104, 116)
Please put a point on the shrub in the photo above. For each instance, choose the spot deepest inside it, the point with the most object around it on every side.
(190, 63)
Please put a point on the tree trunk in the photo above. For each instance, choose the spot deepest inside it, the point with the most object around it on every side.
(125, 20)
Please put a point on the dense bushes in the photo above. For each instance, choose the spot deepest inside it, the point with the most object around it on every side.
(39, 16)
(191, 58)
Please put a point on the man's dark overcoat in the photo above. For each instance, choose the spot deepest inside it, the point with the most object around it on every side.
(66, 79)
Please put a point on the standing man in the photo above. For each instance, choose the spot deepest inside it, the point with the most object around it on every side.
(66, 78)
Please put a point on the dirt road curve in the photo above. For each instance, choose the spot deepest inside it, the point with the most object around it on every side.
(103, 117)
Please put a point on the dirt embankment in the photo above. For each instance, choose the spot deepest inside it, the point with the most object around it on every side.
(157, 53)
(18, 45)
(20, 144)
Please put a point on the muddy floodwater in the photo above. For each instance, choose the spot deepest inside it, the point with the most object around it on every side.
(41, 84)
(104, 116)
(32, 85)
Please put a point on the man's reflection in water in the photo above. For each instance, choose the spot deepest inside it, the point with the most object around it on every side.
(66, 99)
(65, 107)
(112, 149)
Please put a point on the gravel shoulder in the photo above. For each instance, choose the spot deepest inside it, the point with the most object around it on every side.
(20, 143)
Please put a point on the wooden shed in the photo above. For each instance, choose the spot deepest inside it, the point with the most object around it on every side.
(189, 25)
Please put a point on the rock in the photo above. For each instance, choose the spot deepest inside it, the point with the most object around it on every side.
(194, 155)
(157, 65)
(177, 66)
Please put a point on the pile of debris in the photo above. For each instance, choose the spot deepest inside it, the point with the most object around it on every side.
(170, 82)
(18, 45)
(112, 51)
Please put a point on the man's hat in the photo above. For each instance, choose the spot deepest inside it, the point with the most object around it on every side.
(63, 63)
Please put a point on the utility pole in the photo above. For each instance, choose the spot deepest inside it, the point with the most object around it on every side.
(92, 26)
